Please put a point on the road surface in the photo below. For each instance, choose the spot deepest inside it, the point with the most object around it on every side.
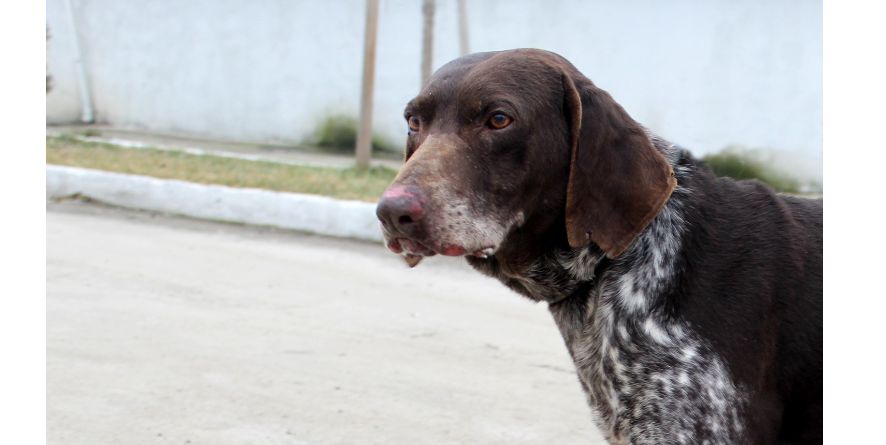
(167, 330)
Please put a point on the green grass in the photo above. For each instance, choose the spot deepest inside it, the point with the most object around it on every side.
(351, 183)
(737, 164)
(338, 134)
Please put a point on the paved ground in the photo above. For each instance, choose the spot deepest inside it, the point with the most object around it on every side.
(264, 152)
(165, 330)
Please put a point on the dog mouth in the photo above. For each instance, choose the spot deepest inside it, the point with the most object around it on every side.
(407, 246)
(414, 251)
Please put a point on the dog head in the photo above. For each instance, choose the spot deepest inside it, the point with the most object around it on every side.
(517, 143)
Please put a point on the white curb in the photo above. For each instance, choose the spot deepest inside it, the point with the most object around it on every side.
(295, 211)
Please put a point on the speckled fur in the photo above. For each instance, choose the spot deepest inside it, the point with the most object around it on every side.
(648, 377)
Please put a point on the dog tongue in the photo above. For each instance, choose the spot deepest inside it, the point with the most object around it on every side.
(412, 260)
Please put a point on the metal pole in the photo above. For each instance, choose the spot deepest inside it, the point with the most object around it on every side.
(87, 115)
(463, 42)
(427, 42)
(364, 136)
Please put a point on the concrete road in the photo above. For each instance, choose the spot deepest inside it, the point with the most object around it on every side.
(165, 330)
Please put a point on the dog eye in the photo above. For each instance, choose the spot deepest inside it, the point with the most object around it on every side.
(414, 123)
(499, 121)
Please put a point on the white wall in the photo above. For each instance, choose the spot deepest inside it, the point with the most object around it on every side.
(705, 74)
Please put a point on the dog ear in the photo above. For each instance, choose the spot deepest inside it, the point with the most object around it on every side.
(618, 182)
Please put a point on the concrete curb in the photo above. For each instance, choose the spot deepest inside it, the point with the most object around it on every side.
(294, 211)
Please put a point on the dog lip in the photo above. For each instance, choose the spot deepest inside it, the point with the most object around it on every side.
(394, 246)
(413, 247)
(408, 246)
(453, 250)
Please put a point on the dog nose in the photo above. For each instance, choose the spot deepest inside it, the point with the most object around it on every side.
(400, 209)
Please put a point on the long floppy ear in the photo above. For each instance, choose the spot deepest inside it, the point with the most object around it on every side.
(618, 182)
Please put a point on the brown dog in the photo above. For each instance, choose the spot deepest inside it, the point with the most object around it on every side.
(690, 304)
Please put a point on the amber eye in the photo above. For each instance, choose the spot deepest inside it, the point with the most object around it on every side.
(499, 121)
(414, 123)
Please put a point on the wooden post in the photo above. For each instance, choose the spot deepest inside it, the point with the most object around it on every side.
(463, 42)
(364, 135)
(427, 41)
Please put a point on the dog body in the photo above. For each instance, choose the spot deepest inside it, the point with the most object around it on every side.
(707, 329)
(691, 305)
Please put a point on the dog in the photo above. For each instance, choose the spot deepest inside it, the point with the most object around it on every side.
(691, 305)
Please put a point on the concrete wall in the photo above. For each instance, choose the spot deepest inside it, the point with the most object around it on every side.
(703, 73)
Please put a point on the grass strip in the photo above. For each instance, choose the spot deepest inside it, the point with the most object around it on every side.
(350, 183)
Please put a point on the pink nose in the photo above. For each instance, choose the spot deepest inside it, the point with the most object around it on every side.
(400, 209)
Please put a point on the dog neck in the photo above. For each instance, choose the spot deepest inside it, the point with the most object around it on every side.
(644, 273)
(620, 322)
